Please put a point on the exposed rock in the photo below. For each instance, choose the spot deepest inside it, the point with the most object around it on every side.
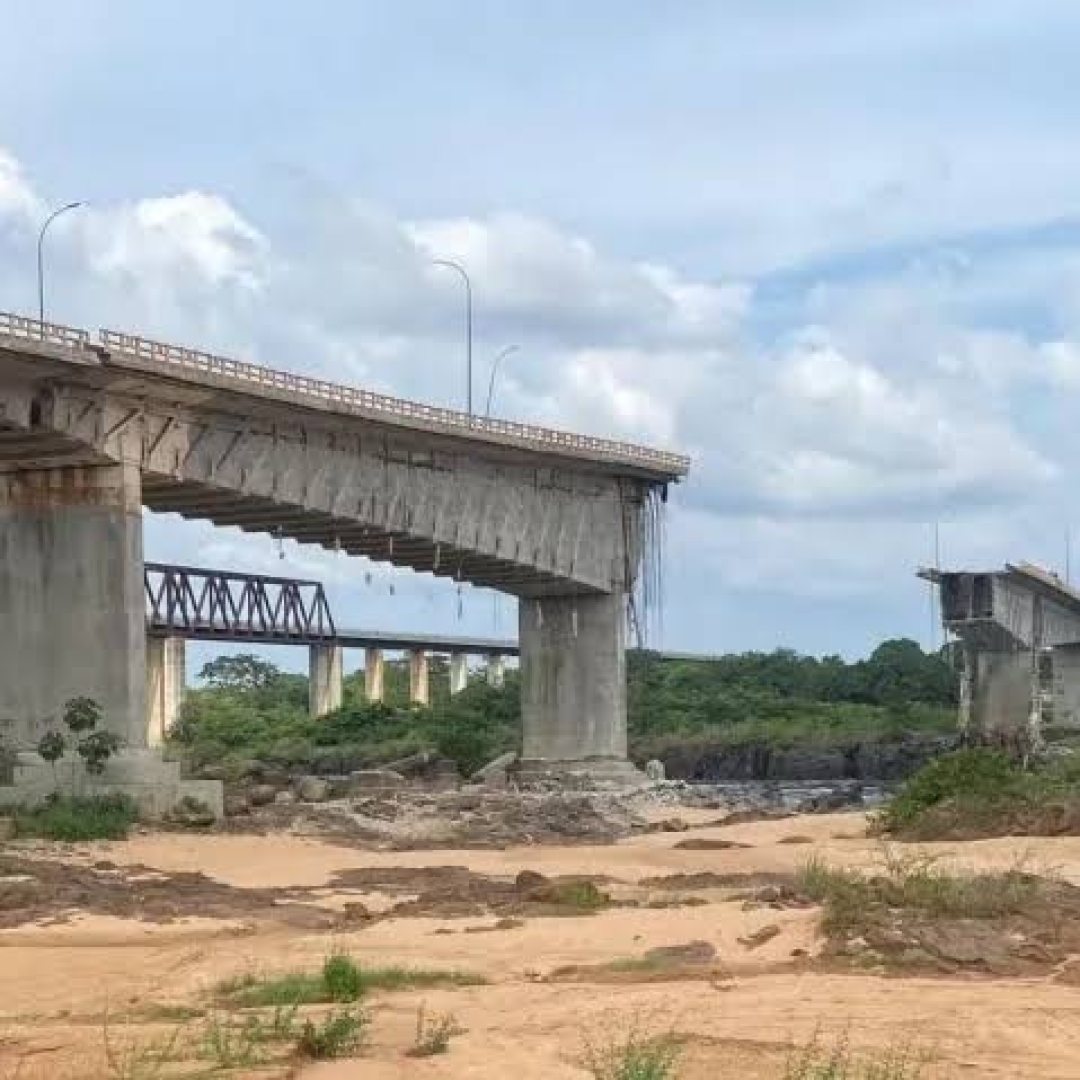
(702, 843)
(214, 771)
(313, 789)
(496, 773)
(237, 805)
(670, 825)
(261, 794)
(655, 771)
(364, 780)
(529, 881)
(284, 798)
(7, 829)
(760, 937)
(191, 813)
(689, 954)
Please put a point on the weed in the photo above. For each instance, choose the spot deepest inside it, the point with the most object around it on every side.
(338, 1035)
(99, 817)
(583, 895)
(633, 1056)
(127, 1059)
(234, 1045)
(433, 1034)
(815, 1062)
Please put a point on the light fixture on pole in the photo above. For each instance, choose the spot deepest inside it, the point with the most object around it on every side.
(40, 260)
(494, 371)
(468, 327)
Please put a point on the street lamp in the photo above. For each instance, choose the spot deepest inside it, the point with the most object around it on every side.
(40, 264)
(494, 371)
(468, 327)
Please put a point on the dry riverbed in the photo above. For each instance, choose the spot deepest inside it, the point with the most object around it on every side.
(110, 948)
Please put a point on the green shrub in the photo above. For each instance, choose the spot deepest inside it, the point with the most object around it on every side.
(633, 1056)
(97, 817)
(338, 1035)
(342, 978)
(433, 1034)
(815, 1062)
(965, 774)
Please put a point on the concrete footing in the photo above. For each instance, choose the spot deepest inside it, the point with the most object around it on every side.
(155, 785)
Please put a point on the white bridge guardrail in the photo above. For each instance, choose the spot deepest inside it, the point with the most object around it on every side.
(380, 405)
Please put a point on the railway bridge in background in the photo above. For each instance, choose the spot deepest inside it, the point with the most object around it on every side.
(185, 603)
(95, 427)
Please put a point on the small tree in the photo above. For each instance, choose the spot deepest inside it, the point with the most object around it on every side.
(96, 749)
(51, 747)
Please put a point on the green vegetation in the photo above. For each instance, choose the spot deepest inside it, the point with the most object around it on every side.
(983, 792)
(341, 980)
(62, 817)
(854, 899)
(341, 1034)
(634, 1056)
(678, 710)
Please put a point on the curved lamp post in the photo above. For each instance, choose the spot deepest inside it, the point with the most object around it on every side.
(468, 327)
(40, 261)
(494, 371)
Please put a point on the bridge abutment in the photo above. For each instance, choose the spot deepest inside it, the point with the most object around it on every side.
(325, 679)
(573, 684)
(71, 599)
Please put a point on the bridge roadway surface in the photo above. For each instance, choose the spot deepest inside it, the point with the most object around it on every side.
(94, 428)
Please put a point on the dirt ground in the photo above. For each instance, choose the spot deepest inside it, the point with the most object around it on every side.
(112, 938)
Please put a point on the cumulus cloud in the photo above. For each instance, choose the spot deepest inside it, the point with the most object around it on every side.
(869, 403)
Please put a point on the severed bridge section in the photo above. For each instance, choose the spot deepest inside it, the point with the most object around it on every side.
(94, 427)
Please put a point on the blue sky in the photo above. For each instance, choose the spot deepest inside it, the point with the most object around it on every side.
(832, 250)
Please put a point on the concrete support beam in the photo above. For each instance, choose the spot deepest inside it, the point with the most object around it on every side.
(419, 690)
(573, 678)
(72, 620)
(325, 673)
(496, 669)
(374, 675)
(459, 672)
(1001, 703)
(166, 680)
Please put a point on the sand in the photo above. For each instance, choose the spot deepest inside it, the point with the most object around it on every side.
(58, 979)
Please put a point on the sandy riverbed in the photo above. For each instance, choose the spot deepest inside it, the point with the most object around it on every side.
(57, 976)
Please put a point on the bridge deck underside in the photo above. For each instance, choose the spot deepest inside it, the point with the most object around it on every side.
(261, 515)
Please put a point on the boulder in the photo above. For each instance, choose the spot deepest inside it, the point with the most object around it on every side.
(655, 771)
(261, 794)
(313, 789)
(365, 780)
(496, 773)
(191, 813)
(237, 805)
(284, 798)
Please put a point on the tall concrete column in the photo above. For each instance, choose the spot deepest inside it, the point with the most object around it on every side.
(573, 679)
(374, 675)
(419, 693)
(324, 679)
(459, 672)
(496, 669)
(72, 609)
(166, 680)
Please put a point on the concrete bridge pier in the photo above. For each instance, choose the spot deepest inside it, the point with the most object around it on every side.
(325, 675)
(72, 620)
(166, 681)
(419, 689)
(459, 672)
(573, 685)
(374, 674)
(496, 669)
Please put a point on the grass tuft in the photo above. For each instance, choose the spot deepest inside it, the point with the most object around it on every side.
(98, 817)
(433, 1034)
(633, 1056)
(815, 1062)
(340, 1034)
(340, 981)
